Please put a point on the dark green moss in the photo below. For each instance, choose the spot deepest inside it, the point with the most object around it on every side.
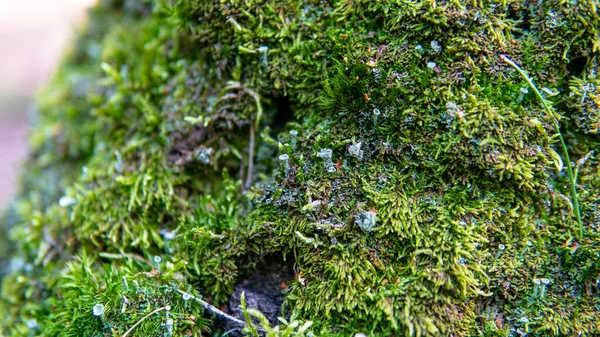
(444, 201)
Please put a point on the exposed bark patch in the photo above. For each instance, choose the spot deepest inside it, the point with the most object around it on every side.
(185, 143)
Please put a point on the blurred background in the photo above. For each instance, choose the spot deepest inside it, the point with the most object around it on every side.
(33, 36)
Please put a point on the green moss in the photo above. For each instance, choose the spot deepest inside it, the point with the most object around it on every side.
(442, 205)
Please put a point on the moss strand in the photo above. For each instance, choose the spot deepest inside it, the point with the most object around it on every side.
(571, 177)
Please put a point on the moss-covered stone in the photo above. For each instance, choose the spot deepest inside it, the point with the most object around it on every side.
(387, 152)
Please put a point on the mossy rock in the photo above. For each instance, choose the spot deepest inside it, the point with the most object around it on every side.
(375, 167)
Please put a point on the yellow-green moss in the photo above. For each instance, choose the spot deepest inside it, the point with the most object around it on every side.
(438, 212)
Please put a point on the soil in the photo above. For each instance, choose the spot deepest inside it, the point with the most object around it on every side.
(264, 288)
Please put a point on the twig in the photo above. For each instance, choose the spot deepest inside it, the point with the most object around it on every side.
(250, 157)
(570, 175)
(123, 256)
(259, 112)
(143, 318)
(212, 309)
(254, 94)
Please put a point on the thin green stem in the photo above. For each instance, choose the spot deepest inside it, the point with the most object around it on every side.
(567, 160)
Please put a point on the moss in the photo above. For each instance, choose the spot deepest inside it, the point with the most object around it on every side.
(384, 149)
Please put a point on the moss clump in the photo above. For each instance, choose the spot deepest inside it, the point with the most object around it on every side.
(384, 149)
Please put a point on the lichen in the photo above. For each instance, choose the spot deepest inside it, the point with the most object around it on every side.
(385, 151)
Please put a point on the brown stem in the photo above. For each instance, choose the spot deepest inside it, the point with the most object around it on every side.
(250, 157)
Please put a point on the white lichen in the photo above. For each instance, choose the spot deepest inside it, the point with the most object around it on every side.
(522, 92)
(355, 150)
(367, 220)
(326, 154)
(32, 324)
(263, 55)
(204, 155)
(294, 139)
(98, 310)
(66, 201)
(435, 47)
(169, 326)
(285, 161)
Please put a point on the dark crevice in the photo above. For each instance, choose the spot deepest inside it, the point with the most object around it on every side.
(264, 288)
(279, 113)
(523, 16)
(577, 65)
